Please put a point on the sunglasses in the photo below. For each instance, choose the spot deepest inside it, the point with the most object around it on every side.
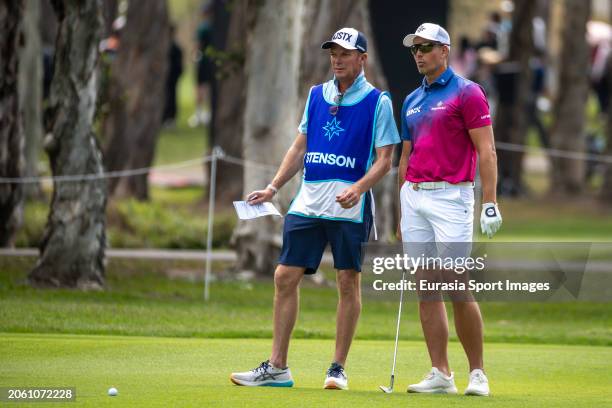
(335, 108)
(425, 48)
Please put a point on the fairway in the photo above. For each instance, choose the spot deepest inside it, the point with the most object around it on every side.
(155, 371)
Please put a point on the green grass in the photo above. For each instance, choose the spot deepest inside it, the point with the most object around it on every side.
(151, 335)
(141, 300)
(194, 372)
(550, 220)
(181, 142)
(179, 145)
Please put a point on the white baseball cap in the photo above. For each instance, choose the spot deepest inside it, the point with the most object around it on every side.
(429, 31)
(348, 38)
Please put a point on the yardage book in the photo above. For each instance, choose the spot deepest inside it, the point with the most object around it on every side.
(247, 212)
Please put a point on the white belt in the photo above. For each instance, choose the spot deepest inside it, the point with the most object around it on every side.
(438, 185)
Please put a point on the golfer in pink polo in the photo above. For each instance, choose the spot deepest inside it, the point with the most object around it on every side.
(446, 131)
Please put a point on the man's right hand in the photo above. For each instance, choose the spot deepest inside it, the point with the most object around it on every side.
(398, 233)
(260, 196)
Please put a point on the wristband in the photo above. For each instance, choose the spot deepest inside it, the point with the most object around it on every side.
(271, 187)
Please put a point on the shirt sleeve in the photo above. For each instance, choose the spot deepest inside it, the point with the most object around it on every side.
(303, 126)
(386, 130)
(475, 107)
(406, 136)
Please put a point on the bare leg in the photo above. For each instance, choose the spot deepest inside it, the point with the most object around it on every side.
(347, 315)
(435, 329)
(286, 297)
(468, 323)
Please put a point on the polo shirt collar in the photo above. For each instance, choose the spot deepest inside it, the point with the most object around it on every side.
(357, 84)
(442, 80)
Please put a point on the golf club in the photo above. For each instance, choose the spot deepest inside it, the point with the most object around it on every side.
(389, 389)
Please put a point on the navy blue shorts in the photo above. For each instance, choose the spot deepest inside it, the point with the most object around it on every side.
(305, 239)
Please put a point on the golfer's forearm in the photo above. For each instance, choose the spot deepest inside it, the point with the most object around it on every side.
(488, 176)
(401, 172)
(401, 178)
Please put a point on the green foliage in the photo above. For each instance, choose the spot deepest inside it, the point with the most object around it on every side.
(228, 62)
(173, 219)
(154, 225)
(34, 220)
(180, 144)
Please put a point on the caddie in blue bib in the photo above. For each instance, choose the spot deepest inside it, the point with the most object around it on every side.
(340, 146)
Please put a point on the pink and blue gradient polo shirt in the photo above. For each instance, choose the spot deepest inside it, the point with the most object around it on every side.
(436, 118)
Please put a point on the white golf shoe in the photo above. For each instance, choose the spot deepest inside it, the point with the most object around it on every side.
(435, 382)
(264, 375)
(479, 384)
(336, 378)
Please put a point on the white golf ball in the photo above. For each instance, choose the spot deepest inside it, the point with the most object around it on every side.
(112, 391)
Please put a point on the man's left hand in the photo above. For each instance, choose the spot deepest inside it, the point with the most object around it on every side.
(490, 219)
(349, 197)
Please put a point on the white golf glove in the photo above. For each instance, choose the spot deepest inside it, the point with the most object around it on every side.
(490, 219)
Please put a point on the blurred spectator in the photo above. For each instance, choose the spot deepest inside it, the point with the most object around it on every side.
(204, 67)
(488, 59)
(175, 69)
(48, 59)
(535, 104)
(109, 46)
(493, 31)
(599, 38)
(539, 34)
(505, 27)
(595, 145)
(464, 61)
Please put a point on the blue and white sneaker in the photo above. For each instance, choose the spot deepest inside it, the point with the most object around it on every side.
(264, 375)
(336, 378)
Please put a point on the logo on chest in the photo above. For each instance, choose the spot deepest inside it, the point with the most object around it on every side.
(439, 106)
(413, 111)
(332, 129)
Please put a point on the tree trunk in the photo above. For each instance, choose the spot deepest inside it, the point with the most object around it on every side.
(136, 96)
(11, 133)
(511, 118)
(72, 249)
(568, 129)
(30, 93)
(229, 97)
(271, 114)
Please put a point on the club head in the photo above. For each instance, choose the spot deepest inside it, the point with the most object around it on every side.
(386, 390)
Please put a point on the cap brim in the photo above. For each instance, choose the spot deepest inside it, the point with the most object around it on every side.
(328, 44)
(409, 39)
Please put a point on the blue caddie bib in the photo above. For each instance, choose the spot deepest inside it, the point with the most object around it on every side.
(339, 152)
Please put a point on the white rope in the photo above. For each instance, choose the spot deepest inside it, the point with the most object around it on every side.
(104, 175)
(565, 154)
(599, 158)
